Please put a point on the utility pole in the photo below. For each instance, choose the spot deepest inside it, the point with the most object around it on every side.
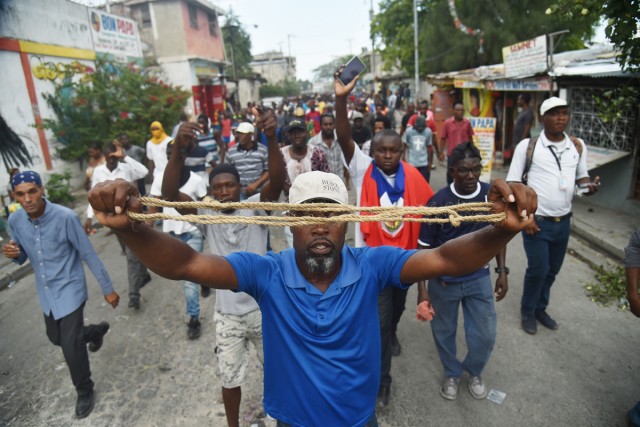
(373, 50)
(415, 48)
(551, 48)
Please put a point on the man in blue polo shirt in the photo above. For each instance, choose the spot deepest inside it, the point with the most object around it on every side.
(321, 332)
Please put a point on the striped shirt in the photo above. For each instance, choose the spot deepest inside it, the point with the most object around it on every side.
(251, 164)
(334, 155)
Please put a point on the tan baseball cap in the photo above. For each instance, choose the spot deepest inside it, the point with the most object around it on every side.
(318, 185)
(245, 127)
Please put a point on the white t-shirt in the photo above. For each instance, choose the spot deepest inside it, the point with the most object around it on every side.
(128, 169)
(224, 239)
(157, 153)
(554, 185)
(196, 188)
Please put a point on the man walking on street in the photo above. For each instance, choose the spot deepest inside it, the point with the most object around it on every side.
(553, 164)
(318, 300)
(52, 238)
(194, 188)
(455, 131)
(250, 159)
(383, 180)
(119, 165)
(237, 316)
(473, 291)
(419, 151)
(327, 141)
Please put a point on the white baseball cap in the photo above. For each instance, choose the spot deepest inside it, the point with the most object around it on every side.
(318, 185)
(551, 103)
(356, 115)
(245, 127)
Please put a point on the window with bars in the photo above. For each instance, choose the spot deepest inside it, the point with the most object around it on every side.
(193, 16)
(586, 124)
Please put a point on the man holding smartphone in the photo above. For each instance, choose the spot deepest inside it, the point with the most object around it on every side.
(382, 180)
(557, 165)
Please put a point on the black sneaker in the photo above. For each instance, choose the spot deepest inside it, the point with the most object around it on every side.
(194, 328)
(205, 291)
(134, 302)
(84, 404)
(546, 320)
(529, 323)
(396, 348)
(96, 344)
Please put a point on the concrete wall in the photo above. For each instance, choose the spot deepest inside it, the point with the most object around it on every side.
(248, 90)
(168, 38)
(54, 26)
(616, 178)
(58, 22)
(180, 73)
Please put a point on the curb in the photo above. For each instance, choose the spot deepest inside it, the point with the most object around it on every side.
(598, 243)
(15, 274)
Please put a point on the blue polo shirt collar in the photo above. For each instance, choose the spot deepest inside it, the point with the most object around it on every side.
(349, 274)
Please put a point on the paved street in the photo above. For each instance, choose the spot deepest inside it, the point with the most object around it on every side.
(149, 374)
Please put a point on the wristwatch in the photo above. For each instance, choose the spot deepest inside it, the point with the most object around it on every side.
(500, 270)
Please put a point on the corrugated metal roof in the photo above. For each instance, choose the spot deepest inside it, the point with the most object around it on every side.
(597, 61)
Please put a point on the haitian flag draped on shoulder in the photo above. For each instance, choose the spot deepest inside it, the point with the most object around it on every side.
(410, 189)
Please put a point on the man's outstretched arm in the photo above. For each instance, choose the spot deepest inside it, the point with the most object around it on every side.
(163, 254)
(343, 128)
(277, 168)
(470, 252)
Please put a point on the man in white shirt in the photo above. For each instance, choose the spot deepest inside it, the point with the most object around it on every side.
(194, 187)
(558, 165)
(119, 165)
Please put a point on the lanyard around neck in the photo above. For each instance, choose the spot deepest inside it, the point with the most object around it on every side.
(551, 148)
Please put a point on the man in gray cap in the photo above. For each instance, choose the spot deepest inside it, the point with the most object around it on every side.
(319, 299)
(554, 165)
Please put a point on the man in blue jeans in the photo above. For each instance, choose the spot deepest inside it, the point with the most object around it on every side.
(557, 166)
(193, 187)
(473, 290)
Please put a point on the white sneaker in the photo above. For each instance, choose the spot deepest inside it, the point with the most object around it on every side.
(477, 388)
(449, 389)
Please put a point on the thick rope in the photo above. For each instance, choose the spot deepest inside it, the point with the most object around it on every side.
(342, 213)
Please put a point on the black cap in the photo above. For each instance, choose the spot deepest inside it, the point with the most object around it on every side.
(297, 124)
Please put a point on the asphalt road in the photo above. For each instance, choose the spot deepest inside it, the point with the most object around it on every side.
(149, 374)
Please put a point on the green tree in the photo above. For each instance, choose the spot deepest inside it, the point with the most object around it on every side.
(237, 45)
(443, 47)
(325, 71)
(622, 18)
(110, 100)
(284, 88)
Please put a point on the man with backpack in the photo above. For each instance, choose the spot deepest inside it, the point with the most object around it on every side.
(555, 166)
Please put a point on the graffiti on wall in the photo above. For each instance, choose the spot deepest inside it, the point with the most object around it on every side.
(57, 71)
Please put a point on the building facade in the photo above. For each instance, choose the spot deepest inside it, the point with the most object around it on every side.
(184, 39)
(274, 67)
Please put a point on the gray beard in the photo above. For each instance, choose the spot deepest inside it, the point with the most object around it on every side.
(321, 264)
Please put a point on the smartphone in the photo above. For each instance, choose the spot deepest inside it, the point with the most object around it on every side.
(351, 70)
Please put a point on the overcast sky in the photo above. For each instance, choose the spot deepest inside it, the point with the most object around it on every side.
(316, 32)
(319, 31)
